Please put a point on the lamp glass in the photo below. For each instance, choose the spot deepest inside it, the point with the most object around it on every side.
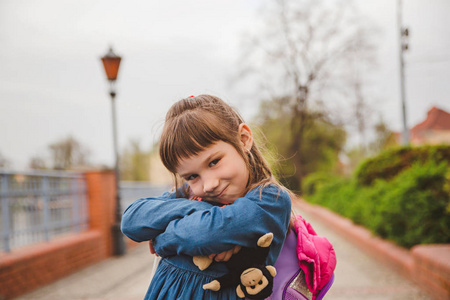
(111, 65)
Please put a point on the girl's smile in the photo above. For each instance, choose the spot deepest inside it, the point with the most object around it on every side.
(218, 173)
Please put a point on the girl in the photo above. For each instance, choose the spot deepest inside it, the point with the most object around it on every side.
(214, 159)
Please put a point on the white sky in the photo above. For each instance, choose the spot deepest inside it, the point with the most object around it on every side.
(52, 83)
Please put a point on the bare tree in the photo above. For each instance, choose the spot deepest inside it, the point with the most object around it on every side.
(4, 162)
(37, 163)
(135, 162)
(384, 137)
(361, 111)
(305, 48)
(69, 153)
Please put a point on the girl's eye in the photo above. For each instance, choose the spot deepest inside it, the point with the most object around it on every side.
(191, 177)
(214, 162)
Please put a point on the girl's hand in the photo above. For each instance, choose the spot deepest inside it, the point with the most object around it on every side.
(152, 250)
(226, 255)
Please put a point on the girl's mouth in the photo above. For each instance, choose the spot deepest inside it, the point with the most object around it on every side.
(221, 193)
(216, 198)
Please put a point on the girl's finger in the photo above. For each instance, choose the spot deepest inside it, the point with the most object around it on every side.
(225, 256)
(220, 257)
(152, 250)
(236, 249)
(150, 246)
(228, 255)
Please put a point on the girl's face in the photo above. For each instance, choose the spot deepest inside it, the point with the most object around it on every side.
(218, 173)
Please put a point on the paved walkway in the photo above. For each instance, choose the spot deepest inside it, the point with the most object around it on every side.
(358, 276)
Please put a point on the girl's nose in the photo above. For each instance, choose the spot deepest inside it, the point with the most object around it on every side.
(210, 185)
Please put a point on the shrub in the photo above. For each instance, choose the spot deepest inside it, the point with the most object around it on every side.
(315, 181)
(390, 163)
(412, 208)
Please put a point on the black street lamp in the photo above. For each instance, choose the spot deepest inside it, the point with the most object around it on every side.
(111, 63)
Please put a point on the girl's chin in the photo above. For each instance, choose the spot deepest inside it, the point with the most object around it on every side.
(221, 200)
(226, 202)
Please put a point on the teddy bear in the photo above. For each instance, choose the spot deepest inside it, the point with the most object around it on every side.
(247, 271)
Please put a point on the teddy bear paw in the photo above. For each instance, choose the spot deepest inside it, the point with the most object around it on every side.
(213, 286)
(202, 262)
(265, 240)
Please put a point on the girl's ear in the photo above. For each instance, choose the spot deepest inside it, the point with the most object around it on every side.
(246, 136)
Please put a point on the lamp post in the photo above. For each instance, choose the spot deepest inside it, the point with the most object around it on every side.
(111, 64)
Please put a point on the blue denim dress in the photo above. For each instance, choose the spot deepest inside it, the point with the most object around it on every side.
(181, 228)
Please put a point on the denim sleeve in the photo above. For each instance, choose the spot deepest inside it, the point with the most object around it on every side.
(145, 218)
(218, 229)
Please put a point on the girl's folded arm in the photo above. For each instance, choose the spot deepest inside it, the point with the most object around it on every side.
(218, 229)
(145, 218)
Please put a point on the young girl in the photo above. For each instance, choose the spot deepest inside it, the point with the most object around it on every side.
(214, 159)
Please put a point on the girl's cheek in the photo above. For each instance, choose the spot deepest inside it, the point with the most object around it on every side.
(195, 189)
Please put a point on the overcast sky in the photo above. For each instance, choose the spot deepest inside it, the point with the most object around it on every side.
(52, 83)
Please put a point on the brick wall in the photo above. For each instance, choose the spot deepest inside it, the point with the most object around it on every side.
(432, 269)
(101, 195)
(31, 267)
(28, 268)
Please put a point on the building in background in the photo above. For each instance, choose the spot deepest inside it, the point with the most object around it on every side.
(435, 129)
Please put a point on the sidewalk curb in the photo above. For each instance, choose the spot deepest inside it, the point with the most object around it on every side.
(428, 266)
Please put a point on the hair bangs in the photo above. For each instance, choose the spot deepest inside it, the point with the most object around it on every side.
(190, 134)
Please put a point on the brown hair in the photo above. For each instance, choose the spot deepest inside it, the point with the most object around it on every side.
(192, 124)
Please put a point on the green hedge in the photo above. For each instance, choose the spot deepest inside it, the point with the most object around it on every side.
(390, 163)
(312, 183)
(411, 208)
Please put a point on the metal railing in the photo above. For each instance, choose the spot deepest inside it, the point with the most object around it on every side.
(38, 206)
(133, 190)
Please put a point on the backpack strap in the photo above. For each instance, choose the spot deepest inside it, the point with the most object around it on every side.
(290, 280)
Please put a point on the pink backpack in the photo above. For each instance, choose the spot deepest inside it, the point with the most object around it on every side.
(305, 267)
